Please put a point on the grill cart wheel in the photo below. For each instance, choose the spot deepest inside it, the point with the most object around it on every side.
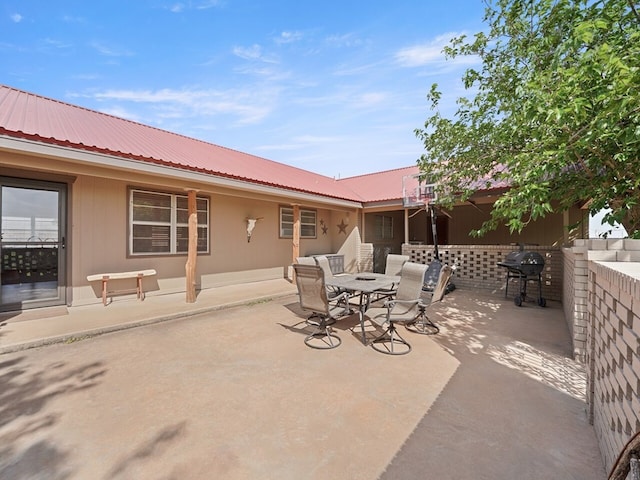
(518, 301)
(542, 302)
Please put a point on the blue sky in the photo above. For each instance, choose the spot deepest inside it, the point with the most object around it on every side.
(334, 87)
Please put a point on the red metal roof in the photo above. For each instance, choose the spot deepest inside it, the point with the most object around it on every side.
(380, 186)
(32, 116)
(26, 115)
(387, 186)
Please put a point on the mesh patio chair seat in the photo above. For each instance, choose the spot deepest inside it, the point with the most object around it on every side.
(423, 324)
(334, 293)
(403, 309)
(394, 263)
(393, 267)
(312, 292)
(323, 262)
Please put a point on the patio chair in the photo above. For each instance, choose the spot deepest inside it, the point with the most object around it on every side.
(334, 293)
(404, 308)
(312, 292)
(395, 263)
(423, 324)
(323, 262)
(393, 267)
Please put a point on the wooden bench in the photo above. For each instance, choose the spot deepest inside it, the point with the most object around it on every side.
(105, 277)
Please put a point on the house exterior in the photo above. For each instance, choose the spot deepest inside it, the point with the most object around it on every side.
(84, 193)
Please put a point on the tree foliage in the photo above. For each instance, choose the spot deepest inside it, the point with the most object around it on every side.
(554, 109)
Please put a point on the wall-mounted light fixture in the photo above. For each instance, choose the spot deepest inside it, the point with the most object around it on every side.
(251, 223)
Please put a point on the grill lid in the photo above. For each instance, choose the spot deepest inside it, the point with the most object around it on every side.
(524, 258)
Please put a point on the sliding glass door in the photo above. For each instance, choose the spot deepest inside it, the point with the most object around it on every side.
(32, 243)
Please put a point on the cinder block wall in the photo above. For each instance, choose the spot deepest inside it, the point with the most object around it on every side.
(478, 267)
(574, 299)
(613, 356)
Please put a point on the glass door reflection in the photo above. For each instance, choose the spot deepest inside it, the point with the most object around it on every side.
(31, 244)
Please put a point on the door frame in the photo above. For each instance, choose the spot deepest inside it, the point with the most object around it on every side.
(62, 190)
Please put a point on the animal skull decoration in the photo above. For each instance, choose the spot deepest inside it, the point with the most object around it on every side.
(251, 223)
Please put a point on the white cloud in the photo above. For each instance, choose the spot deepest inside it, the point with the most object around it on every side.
(248, 106)
(317, 139)
(201, 5)
(204, 5)
(254, 52)
(288, 37)
(425, 54)
(50, 42)
(117, 111)
(301, 142)
(346, 70)
(110, 51)
(372, 98)
(419, 55)
(71, 19)
(87, 76)
(344, 40)
(16, 18)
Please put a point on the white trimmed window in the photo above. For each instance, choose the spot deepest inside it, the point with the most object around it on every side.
(158, 223)
(384, 227)
(307, 223)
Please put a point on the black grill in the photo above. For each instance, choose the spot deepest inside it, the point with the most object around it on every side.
(525, 266)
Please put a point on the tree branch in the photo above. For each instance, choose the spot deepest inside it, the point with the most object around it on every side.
(633, 9)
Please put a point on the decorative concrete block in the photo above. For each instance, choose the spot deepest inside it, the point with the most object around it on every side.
(625, 301)
(615, 244)
(597, 244)
(628, 256)
(602, 255)
(631, 244)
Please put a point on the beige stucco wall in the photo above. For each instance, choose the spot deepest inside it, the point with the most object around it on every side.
(547, 231)
(455, 225)
(100, 241)
(98, 232)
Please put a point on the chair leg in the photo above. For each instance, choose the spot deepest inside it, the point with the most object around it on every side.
(322, 338)
(423, 325)
(389, 342)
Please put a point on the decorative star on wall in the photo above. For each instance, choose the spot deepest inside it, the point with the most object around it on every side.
(342, 227)
(324, 229)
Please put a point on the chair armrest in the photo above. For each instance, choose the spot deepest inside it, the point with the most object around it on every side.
(390, 303)
(393, 302)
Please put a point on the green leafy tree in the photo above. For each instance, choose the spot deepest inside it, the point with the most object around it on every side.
(554, 110)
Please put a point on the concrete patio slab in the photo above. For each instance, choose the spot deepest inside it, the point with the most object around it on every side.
(234, 393)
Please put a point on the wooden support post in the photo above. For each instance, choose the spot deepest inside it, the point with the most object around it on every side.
(105, 282)
(296, 232)
(192, 252)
